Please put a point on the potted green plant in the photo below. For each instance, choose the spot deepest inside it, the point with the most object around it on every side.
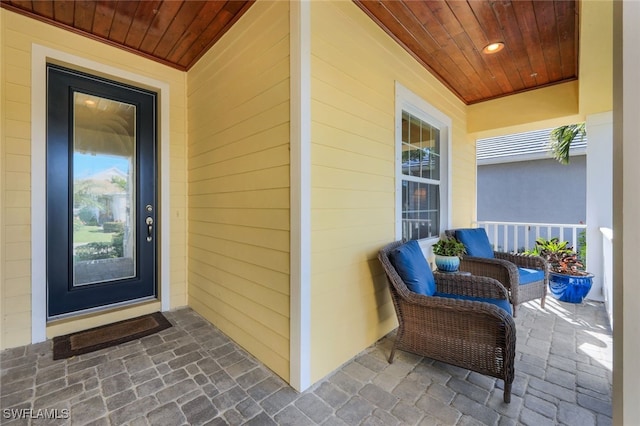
(447, 253)
(568, 279)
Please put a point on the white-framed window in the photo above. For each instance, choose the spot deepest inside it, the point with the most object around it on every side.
(422, 168)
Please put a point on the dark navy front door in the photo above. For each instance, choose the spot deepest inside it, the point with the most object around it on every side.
(101, 192)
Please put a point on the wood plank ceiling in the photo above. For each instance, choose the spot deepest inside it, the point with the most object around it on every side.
(540, 42)
(174, 32)
(446, 36)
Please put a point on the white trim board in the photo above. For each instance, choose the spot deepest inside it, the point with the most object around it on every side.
(300, 198)
(39, 57)
(406, 100)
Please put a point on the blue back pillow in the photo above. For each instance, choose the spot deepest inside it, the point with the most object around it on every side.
(476, 242)
(413, 268)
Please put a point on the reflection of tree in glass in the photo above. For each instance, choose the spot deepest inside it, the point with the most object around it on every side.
(84, 194)
(415, 154)
(86, 202)
(119, 182)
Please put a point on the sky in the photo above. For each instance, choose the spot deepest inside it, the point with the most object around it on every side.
(86, 165)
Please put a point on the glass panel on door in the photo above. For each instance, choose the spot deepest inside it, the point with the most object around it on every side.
(104, 158)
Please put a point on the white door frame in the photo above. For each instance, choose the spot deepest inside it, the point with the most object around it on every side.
(39, 57)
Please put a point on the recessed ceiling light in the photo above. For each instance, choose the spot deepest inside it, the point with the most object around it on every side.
(493, 48)
(90, 102)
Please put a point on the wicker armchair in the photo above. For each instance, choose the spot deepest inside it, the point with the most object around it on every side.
(475, 335)
(504, 267)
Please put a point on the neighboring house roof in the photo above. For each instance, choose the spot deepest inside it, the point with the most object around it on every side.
(108, 174)
(101, 183)
(521, 147)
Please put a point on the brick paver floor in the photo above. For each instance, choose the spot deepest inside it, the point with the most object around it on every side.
(192, 374)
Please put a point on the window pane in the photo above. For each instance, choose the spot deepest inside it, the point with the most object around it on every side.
(420, 210)
(420, 148)
(104, 150)
(434, 163)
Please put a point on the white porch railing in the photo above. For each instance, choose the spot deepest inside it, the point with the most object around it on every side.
(518, 237)
(607, 271)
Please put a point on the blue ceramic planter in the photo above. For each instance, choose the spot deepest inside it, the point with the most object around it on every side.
(447, 263)
(570, 288)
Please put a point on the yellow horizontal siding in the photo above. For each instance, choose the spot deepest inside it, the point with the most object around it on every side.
(276, 198)
(373, 144)
(17, 146)
(258, 218)
(17, 110)
(268, 238)
(269, 279)
(356, 180)
(271, 88)
(16, 233)
(377, 311)
(343, 218)
(228, 319)
(19, 34)
(17, 129)
(244, 43)
(266, 159)
(353, 175)
(265, 139)
(17, 287)
(16, 215)
(17, 251)
(17, 163)
(332, 94)
(463, 180)
(331, 198)
(269, 308)
(249, 126)
(345, 237)
(267, 257)
(349, 122)
(275, 177)
(355, 279)
(238, 184)
(17, 198)
(20, 328)
(350, 161)
(353, 256)
(18, 269)
(228, 308)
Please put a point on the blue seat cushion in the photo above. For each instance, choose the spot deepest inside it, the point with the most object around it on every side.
(413, 268)
(500, 303)
(528, 276)
(475, 241)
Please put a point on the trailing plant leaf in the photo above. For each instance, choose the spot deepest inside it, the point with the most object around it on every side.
(561, 139)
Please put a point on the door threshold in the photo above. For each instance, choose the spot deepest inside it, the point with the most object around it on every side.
(99, 310)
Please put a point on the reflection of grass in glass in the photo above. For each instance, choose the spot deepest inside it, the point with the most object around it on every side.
(90, 234)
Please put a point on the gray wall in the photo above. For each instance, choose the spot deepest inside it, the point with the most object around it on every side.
(537, 191)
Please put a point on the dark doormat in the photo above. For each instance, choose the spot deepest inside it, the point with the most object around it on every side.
(109, 335)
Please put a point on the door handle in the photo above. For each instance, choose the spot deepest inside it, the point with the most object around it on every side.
(149, 228)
